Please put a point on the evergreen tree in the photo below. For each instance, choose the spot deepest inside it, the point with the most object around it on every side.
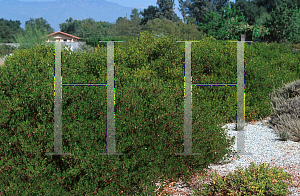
(198, 8)
(166, 10)
(148, 14)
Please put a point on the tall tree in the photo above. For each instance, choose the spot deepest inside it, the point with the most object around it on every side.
(122, 27)
(9, 29)
(148, 14)
(295, 2)
(88, 28)
(41, 25)
(260, 19)
(179, 29)
(135, 21)
(198, 8)
(250, 10)
(35, 29)
(134, 16)
(184, 10)
(283, 20)
(31, 37)
(104, 28)
(166, 10)
(253, 10)
(217, 5)
(80, 27)
(258, 11)
(70, 26)
(272, 4)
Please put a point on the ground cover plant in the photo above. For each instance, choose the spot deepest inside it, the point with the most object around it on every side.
(255, 180)
(149, 111)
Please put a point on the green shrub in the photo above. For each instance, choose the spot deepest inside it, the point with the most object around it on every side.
(148, 125)
(149, 113)
(215, 62)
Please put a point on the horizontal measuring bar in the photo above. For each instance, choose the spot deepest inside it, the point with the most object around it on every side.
(214, 84)
(192, 84)
(84, 84)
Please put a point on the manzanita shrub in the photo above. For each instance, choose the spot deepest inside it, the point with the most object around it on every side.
(149, 123)
(216, 63)
(149, 114)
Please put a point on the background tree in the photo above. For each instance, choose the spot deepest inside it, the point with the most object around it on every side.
(294, 2)
(135, 21)
(249, 10)
(184, 10)
(256, 9)
(197, 9)
(40, 23)
(87, 28)
(70, 26)
(259, 20)
(148, 14)
(122, 27)
(255, 12)
(9, 29)
(188, 16)
(272, 4)
(134, 17)
(31, 37)
(230, 25)
(105, 28)
(166, 10)
(165, 27)
(217, 5)
(80, 28)
(283, 20)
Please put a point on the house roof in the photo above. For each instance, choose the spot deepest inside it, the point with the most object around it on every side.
(63, 34)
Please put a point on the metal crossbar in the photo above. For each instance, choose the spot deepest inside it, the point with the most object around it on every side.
(110, 140)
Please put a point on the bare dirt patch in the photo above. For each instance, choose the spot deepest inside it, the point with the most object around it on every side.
(1, 63)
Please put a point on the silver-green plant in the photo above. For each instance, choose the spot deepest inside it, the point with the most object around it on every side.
(83, 48)
(239, 126)
(285, 103)
(31, 37)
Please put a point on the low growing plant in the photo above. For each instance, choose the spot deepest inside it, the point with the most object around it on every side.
(256, 180)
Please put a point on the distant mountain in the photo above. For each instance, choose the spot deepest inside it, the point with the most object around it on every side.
(59, 11)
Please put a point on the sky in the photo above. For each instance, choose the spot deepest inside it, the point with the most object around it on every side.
(130, 3)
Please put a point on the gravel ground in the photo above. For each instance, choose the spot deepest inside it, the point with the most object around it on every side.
(265, 145)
